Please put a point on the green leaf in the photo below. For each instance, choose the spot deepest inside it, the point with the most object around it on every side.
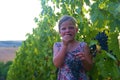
(87, 2)
(111, 56)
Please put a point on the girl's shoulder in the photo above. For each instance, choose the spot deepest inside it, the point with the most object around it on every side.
(83, 43)
(57, 44)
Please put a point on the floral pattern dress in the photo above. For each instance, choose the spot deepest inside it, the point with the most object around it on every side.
(72, 68)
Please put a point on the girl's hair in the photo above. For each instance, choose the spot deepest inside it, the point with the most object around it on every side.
(66, 18)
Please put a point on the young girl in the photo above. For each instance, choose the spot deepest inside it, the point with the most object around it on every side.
(71, 57)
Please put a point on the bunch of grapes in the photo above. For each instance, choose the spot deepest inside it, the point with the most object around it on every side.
(75, 66)
(102, 39)
(93, 50)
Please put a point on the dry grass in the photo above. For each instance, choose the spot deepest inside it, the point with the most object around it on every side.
(7, 53)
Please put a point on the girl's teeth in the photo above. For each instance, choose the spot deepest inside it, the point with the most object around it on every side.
(69, 34)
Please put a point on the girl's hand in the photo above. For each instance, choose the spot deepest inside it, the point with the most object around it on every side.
(66, 39)
(82, 56)
(86, 58)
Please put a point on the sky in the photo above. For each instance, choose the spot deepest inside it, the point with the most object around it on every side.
(17, 18)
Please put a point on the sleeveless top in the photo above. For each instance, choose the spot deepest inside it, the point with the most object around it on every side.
(72, 68)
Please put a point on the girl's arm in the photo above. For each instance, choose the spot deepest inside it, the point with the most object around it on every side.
(59, 55)
(86, 58)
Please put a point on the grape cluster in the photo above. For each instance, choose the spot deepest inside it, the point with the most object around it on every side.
(75, 66)
(102, 39)
(93, 50)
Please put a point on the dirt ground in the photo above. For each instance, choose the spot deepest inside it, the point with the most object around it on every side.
(7, 53)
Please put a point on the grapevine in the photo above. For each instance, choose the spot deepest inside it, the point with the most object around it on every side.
(102, 39)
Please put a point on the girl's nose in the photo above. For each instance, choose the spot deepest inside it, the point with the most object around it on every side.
(67, 30)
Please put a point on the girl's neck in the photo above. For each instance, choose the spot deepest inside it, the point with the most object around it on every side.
(72, 45)
(72, 42)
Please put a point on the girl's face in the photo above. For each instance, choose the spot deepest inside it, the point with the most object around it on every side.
(67, 28)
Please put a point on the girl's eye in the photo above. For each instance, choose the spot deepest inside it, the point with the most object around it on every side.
(71, 27)
(63, 28)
